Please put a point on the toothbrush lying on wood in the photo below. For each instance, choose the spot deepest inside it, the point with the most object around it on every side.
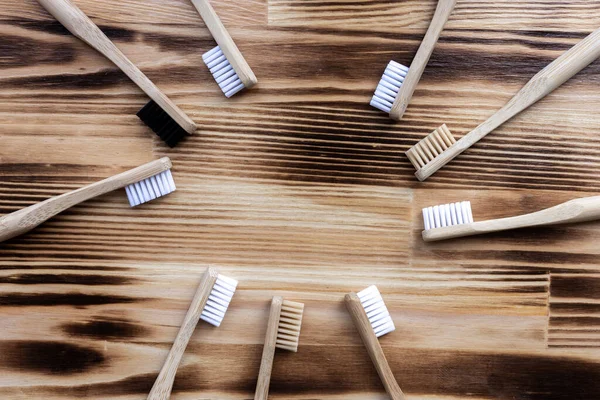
(372, 319)
(142, 184)
(167, 120)
(398, 83)
(225, 62)
(433, 152)
(209, 304)
(456, 219)
(283, 332)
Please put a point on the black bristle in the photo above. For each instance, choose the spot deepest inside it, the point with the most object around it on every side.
(161, 123)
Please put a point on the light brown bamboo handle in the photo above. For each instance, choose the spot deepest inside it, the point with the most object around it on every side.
(544, 82)
(573, 211)
(75, 20)
(164, 383)
(442, 13)
(266, 364)
(24, 220)
(374, 349)
(225, 42)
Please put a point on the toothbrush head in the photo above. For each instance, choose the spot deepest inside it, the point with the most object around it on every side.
(218, 300)
(223, 72)
(377, 312)
(150, 188)
(447, 215)
(288, 329)
(389, 86)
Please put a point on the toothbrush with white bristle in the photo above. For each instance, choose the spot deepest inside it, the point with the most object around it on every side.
(456, 219)
(398, 83)
(142, 184)
(225, 62)
(210, 303)
(373, 320)
(283, 332)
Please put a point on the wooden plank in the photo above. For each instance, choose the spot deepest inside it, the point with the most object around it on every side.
(298, 188)
(394, 17)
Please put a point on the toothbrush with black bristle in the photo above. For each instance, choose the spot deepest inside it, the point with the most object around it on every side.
(161, 115)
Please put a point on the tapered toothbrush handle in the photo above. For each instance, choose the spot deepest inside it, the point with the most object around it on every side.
(266, 364)
(359, 317)
(573, 211)
(75, 20)
(161, 390)
(225, 42)
(543, 83)
(442, 13)
(22, 221)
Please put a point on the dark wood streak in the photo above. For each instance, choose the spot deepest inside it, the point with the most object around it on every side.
(115, 33)
(574, 320)
(577, 287)
(49, 357)
(62, 299)
(18, 52)
(65, 279)
(102, 328)
(101, 79)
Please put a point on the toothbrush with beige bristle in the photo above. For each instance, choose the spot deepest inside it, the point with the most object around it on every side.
(455, 220)
(440, 147)
(225, 62)
(142, 184)
(398, 83)
(372, 320)
(283, 332)
(210, 303)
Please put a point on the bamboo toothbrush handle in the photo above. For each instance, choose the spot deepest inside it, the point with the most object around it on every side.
(225, 42)
(578, 210)
(75, 20)
(543, 83)
(442, 13)
(24, 220)
(266, 364)
(164, 383)
(374, 349)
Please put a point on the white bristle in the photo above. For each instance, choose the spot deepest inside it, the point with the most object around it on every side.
(447, 215)
(388, 87)
(150, 188)
(220, 68)
(218, 301)
(290, 321)
(377, 312)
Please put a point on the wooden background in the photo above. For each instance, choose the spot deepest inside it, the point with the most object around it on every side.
(298, 188)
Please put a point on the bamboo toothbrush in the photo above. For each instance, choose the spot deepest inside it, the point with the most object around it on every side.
(372, 320)
(225, 62)
(283, 332)
(431, 153)
(209, 304)
(456, 219)
(398, 83)
(142, 184)
(167, 120)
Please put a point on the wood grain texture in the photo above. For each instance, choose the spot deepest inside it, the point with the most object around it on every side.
(298, 189)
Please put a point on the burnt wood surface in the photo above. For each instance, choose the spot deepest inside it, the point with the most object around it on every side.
(298, 188)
